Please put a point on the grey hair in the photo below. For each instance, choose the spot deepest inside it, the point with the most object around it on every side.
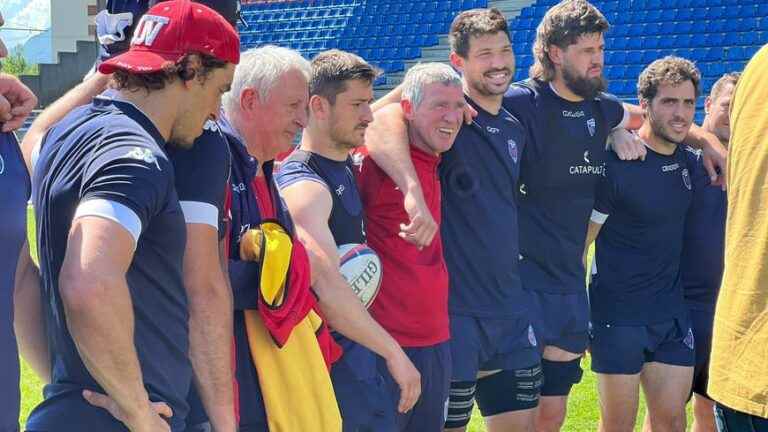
(424, 74)
(260, 69)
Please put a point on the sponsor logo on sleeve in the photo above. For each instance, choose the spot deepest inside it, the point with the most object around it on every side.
(143, 154)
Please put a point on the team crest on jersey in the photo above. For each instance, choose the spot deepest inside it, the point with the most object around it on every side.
(689, 341)
(512, 146)
(687, 179)
(591, 126)
(143, 154)
(531, 336)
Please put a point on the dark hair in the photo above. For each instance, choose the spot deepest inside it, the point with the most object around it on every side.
(475, 23)
(562, 26)
(131, 81)
(669, 70)
(333, 68)
(729, 78)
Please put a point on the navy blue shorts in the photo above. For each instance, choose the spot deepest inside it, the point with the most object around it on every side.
(702, 321)
(363, 396)
(625, 349)
(561, 320)
(488, 344)
(434, 364)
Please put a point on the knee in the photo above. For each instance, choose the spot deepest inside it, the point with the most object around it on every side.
(550, 418)
(672, 421)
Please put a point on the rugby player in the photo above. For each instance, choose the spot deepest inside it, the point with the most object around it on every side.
(210, 302)
(493, 344)
(641, 332)
(14, 195)
(118, 261)
(703, 248)
(738, 372)
(319, 188)
(412, 304)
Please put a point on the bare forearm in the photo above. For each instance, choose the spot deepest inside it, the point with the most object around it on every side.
(210, 328)
(346, 314)
(393, 96)
(29, 322)
(100, 319)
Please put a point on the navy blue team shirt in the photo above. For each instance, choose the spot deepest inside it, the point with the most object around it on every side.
(110, 150)
(639, 246)
(202, 176)
(479, 176)
(346, 219)
(563, 160)
(14, 193)
(703, 241)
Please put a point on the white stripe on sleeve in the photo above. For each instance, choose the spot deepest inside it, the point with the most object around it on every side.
(196, 212)
(113, 211)
(598, 218)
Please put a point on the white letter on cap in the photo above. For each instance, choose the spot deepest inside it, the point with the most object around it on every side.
(148, 29)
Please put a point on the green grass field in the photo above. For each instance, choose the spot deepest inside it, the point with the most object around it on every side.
(583, 409)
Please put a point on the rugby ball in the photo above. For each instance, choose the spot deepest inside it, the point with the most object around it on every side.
(361, 268)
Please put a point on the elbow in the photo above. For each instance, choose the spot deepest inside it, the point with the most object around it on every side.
(208, 294)
(82, 291)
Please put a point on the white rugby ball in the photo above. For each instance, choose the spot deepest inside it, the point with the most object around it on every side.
(361, 268)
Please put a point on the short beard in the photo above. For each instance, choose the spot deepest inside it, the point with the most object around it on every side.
(585, 87)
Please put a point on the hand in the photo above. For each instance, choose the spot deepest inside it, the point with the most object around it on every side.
(422, 227)
(407, 378)
(20, 99)
(714, 156)
(150, 420)
(469, 113)
(627, 145)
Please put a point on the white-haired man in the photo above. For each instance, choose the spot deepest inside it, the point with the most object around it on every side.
(265, 109)
(412, 304)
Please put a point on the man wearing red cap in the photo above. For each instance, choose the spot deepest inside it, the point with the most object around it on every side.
(111, 230)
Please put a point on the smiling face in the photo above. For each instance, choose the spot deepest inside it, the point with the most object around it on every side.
(670, 113)
(436, 121)
(489, 66)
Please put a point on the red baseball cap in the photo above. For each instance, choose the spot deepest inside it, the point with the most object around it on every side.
(172, 29)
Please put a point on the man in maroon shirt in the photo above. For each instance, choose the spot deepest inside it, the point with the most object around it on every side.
(413, 302)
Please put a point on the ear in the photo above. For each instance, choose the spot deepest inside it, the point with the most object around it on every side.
(555, 54)
(192, 70)
(249, 100)
(407, 107)
(457, 61)
(707, 104)
(644, 105)
(319, 107)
